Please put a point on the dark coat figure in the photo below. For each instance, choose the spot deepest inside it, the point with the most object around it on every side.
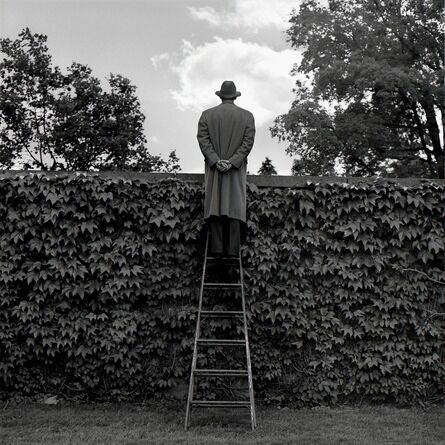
(226, 135)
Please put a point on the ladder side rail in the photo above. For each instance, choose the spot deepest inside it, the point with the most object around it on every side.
(249, 365)
(197, 335)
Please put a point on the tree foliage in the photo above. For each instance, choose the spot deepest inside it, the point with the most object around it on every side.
(267, 168)
(68, 121)
(377, 99)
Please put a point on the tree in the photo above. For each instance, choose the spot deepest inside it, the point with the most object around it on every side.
(267, 168)
(68, 121)
(301, 168)
(28, 93)
(378, 66)
(96, 129)
(152, 163)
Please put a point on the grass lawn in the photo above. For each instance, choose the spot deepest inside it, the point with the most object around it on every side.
(67, 423)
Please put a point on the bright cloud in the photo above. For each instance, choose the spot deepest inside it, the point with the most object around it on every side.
(248, 14)
(259, 72)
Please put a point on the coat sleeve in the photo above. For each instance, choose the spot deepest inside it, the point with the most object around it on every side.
(243, 150)
(205, 144)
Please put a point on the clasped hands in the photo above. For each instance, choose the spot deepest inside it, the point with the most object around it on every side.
(223, 165)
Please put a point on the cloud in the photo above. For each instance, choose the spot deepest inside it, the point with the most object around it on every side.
(248, 14)
(159, 58)
(207, 14)
(259, 72)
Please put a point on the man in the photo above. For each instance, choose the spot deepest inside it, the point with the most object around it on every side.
(226, 134)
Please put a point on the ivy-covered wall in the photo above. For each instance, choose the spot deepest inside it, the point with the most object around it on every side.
(99, 284)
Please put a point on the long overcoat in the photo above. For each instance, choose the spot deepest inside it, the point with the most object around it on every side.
(226, 132)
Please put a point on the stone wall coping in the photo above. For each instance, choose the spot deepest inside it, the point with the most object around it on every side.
(280, 181)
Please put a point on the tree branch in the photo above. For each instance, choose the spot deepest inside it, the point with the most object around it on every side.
(423, 273)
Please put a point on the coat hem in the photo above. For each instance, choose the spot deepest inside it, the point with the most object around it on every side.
(206, 218)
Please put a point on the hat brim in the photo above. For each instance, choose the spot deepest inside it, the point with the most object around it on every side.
(227, 96)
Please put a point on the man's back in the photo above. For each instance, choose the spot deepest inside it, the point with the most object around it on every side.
(226, 125)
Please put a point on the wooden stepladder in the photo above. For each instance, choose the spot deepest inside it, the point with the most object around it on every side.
(203, 342)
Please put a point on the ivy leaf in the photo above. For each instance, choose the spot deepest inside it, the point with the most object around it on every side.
(157, 220)
(436, 245)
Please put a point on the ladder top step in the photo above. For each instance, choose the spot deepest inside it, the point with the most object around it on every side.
(222, 313)
(221, 372)
(222, 284)
(220, 342)
(221, 403)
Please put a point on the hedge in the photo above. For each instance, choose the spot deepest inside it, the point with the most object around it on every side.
(99, 285)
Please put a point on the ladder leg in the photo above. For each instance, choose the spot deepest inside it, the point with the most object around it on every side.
(246, 336)
(197, 334)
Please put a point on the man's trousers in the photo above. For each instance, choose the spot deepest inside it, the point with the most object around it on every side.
(225, 236)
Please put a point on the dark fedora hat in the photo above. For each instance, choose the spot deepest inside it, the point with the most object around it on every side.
(228, 90)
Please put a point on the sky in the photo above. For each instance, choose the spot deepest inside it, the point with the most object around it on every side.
(177, 53)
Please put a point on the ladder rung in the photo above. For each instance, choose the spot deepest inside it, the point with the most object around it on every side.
(221, 372)
(221, 403)
(221, 342)
(227, 258)
(222, 313)
(228, 285)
